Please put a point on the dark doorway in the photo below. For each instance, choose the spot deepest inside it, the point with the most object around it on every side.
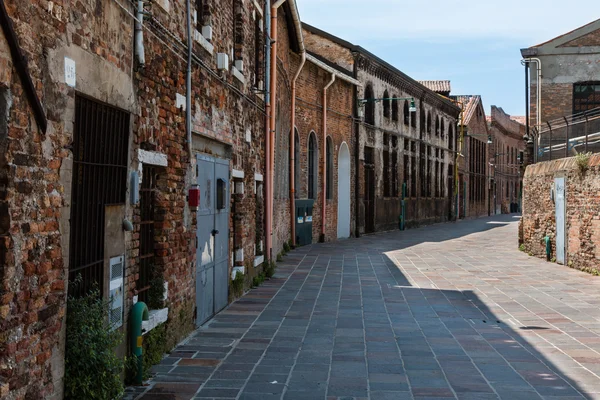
(100, 149)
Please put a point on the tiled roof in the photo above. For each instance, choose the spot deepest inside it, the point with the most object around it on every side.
(437, 86)
(470, 103)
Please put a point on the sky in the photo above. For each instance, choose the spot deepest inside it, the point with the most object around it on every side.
(473, 43)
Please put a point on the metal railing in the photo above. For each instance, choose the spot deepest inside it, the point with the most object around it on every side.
(567, 136)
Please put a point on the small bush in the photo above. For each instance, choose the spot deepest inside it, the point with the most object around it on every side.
(286, 247)
(583, 161)
(279, 257)
(237, 285)
(522, 247)
(92, 368)
(270, 267)
(258, 280)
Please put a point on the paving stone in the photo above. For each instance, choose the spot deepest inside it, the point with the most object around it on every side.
(446, 311)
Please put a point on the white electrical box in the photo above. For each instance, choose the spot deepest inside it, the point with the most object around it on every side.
(115, 317)
(207, 32)
(239, 65)
(223, 61)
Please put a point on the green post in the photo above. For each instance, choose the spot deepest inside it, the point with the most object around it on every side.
(548, 248)
(139, 313)
(403, 208)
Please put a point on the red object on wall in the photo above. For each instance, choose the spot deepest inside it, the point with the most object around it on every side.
(194, 197)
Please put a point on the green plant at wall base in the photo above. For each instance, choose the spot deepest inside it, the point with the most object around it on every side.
(258, 280)
(237, 285)
(522, 247)
(553, 259)
(154, 345)
(269, 268)
(92, 368)
(583, 161)
(286, 248)
(279, 257)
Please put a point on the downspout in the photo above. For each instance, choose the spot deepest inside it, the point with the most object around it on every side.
(188, 80)
(293, 152)
(271, 130)
(139, 33)
(324, 190)
(356, 127)
(538, 99)
(267, 221)
(458, 152)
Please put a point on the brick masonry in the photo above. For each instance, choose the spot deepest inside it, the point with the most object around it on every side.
(582, 211)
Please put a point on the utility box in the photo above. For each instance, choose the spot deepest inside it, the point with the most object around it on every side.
(115, 317)
(304, 218)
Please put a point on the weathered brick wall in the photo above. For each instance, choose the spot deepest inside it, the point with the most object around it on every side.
(582, 211)
(35, 170)
(425, 209)
(309, 118)
(507, 138)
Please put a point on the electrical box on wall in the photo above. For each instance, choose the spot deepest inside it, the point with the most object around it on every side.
(115, 312)
(222, 62)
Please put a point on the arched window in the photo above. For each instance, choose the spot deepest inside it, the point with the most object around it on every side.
(313, 159)
(406, 113)
(369, 106)
(386, 104)
(451, 137)
(442, 128)
(329, 176)
(429, 122)
(296, 163)
(437, 126)
(394, 108)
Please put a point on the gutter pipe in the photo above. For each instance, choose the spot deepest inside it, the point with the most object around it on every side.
(139, 33)
(324, 191)
(293, 152)
(188, 88)
(268, 42)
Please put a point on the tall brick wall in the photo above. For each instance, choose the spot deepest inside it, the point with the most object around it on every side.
(582, 211)
(309, 118)
(506, 171)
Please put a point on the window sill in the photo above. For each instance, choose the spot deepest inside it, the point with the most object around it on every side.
(203, 42)
(155, 318)
(238, 75)
(259, 260)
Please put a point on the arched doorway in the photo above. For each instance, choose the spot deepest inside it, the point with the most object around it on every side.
(343, 226)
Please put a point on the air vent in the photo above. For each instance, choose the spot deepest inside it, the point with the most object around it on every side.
(115, 316)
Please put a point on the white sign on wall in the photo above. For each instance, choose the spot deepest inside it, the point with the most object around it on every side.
(70, 75)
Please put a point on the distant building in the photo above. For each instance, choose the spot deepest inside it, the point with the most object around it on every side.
(570, 80)
(505, 165)
(473, 183)
(395, 147)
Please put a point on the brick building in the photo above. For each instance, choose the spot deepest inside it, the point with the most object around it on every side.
(395, 146)
(473, 171)
(567, 67)
(505, 156)
(95, 180)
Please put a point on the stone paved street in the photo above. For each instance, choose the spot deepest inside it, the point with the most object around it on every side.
(447, 311)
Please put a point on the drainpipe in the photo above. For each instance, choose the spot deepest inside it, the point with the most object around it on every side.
(324, 190)
(138, 313)
(267, 248)
(188, 81)
(539, 91)
(139, 34)
(271, 130)
(293, 152)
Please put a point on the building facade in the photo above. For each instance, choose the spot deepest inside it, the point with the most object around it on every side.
(473, 178)
(506, 162)
(564, 80)
(397, 150)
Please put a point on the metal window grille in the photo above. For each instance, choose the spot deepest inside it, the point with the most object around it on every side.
(147, 206)
(100, 150)
(586, 96)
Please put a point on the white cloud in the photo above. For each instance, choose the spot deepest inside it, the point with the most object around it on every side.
(531, 21)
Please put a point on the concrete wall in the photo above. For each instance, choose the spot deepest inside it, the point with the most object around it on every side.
(582, 211)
